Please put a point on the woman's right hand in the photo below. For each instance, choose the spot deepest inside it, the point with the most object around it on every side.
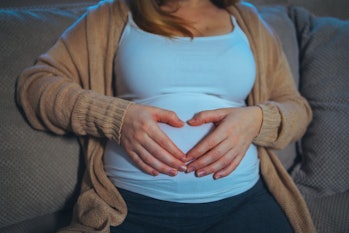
(147, 145)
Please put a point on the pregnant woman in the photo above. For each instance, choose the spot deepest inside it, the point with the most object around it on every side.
(178, 104)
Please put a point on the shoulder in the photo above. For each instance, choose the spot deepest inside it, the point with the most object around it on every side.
(246, 9)
(106, 6)
(250, 20)
(107, 9)
(101, 19)
(247, 6)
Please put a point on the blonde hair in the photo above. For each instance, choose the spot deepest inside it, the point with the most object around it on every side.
(149, 16)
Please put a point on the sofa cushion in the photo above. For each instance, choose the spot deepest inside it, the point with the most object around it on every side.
(325, 83)
(39, 172)
(42, 224)
(337, 8)
(323, 174)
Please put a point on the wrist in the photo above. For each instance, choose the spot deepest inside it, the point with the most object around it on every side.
(258, 113)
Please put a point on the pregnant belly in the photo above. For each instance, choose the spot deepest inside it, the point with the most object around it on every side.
(185, 187)
(187, 136)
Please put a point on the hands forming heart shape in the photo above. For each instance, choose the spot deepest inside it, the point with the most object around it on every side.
(218, 153)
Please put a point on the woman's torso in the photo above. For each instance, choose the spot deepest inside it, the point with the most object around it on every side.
(185, 76)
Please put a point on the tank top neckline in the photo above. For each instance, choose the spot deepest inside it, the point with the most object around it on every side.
(132, 23)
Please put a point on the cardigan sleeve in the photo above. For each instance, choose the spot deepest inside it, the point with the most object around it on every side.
(56, 93)
(286, 114)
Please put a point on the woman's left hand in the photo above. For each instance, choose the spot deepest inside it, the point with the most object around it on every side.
(221, 151)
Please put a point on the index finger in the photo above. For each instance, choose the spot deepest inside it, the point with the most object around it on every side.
(167, 144)
(206, 144)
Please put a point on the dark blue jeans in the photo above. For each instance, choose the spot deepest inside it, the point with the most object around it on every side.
(254, 211)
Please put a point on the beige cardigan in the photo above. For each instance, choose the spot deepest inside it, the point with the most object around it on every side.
(70, 89)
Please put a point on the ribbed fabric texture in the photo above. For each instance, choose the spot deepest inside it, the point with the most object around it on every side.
(97, 113)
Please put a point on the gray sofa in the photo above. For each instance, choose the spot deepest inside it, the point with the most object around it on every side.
(40, 173)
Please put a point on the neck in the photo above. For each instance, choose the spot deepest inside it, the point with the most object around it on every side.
(192, 4)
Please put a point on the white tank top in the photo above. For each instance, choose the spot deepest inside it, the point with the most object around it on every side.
(186, 76)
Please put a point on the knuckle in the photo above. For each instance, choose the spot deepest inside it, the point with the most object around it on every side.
(137, 161)
(223, 163)
(208, 160)
(139, 136)
(212, 142)
(147, 160)
(210, 169)
(168, 171)
(217, 153)
(142, 164)
(203, 162)
(235, 163)
(170, 161)
(149, 170)
(157, 152)
(162, 141)
(145, 126)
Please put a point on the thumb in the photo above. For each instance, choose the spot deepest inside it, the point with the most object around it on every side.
(168, 117)
(210, 116)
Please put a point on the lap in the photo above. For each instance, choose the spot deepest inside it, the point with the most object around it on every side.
(259, 214)
(254, 211)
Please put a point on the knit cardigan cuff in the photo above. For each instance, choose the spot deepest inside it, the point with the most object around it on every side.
(270, 124)
(99, 115)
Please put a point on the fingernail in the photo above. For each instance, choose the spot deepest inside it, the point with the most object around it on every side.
(216, 177)
(172, 172)
(190, 169)
(201, 173)
(155, 173)
(183, 168)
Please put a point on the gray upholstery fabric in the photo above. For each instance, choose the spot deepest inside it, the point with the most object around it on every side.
(323, 175)
(330, 213)
(337, 8)
(41, 224)
(42, 3)
(325, 83)
(39, 172)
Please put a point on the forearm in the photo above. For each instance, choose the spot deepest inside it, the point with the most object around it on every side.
(60, 106)
(286, 114)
